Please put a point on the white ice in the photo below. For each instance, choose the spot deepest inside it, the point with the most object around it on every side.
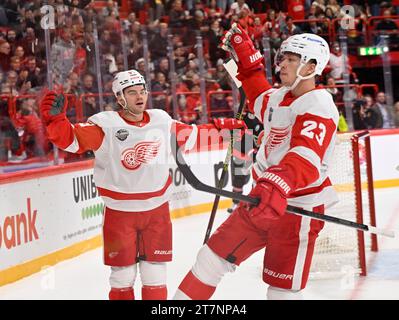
(85, 277)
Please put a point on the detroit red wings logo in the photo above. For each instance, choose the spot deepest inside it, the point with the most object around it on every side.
(276, 137)
(141, 153)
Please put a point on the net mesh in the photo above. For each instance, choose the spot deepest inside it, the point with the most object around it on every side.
(337, 248)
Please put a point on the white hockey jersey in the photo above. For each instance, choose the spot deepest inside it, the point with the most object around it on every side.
(300, 133)
(132, 160)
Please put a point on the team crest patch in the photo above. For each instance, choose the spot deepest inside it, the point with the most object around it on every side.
(276, 137)
(141, 153)
(122, 134)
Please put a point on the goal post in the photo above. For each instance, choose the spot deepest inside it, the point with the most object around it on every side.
(338, 248)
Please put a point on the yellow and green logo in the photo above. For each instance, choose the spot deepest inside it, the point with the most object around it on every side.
(92, 211)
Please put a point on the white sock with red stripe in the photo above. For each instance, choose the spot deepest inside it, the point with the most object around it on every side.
(274, 293)
(200, 283)
(191, 288)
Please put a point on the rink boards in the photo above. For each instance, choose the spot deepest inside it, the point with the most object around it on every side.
(51, 214)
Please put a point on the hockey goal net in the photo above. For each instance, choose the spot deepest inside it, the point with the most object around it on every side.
(341, 250)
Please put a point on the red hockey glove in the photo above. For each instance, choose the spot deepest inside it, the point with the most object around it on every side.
(272, 188)
(237, 42)
(229, 123)
(53, 107)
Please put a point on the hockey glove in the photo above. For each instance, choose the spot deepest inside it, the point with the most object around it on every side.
(53, 107)
(239, 44)
(228, 123)
(272, 188)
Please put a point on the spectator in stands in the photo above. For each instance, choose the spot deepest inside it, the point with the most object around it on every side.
(312, 26)
(28, 122)
(237, 7)
(256, 31)
(385, 112)
(337, 62)
(5, 50)
(296, 9)
(177, 15)
(371, 116)
(160, 91)
(72, 84)
(290, 28)
(90, 103)
(334, 91)
(320, 6)
(62, 56)
(224, 5)
(219, 106)
(163, 67)
(10, 143)
(359, 115)
(111, 9)
(213, 11)
(15, 64)
(109, 67)
(20, 53)
(159, 42)
(180, 55)
(334, 7)
(275, 43)
(214, 35)
(12, 39)
(80, 58)
(396, 114)
(198, 6)
(30, 42)
(221, 76)
(10, 84)
(35, 76)
(140, 66)
(329, 14)
(136, 47)
(271, 23)
(388, 25)
(196, 24)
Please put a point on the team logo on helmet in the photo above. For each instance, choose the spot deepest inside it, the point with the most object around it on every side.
(122, 134)
(141, 153)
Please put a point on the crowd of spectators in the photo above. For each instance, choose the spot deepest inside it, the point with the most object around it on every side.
(154, 37)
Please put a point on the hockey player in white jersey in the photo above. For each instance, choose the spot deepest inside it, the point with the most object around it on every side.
(131, 172)
(300, 124)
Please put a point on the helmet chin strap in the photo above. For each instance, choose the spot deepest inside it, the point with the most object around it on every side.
(124, 105)
(299, 77)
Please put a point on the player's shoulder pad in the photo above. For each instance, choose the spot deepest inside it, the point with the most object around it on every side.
(318, 102)
(103, 118)
(159, 113)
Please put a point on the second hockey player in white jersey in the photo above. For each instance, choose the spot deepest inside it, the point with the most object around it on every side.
(131, 172)
(300, 124)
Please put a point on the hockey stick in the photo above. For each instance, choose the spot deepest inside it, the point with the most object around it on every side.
(228, 155)
(198, 185)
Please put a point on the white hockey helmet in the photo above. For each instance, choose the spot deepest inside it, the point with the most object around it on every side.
(126, 79)
(309, 46)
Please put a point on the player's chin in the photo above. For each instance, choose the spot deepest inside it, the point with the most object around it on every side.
(140, 106)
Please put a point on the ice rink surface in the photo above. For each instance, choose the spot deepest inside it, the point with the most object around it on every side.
(86, 278)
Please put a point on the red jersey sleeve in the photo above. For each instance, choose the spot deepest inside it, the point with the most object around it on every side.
(75, 138)
(258, 90)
